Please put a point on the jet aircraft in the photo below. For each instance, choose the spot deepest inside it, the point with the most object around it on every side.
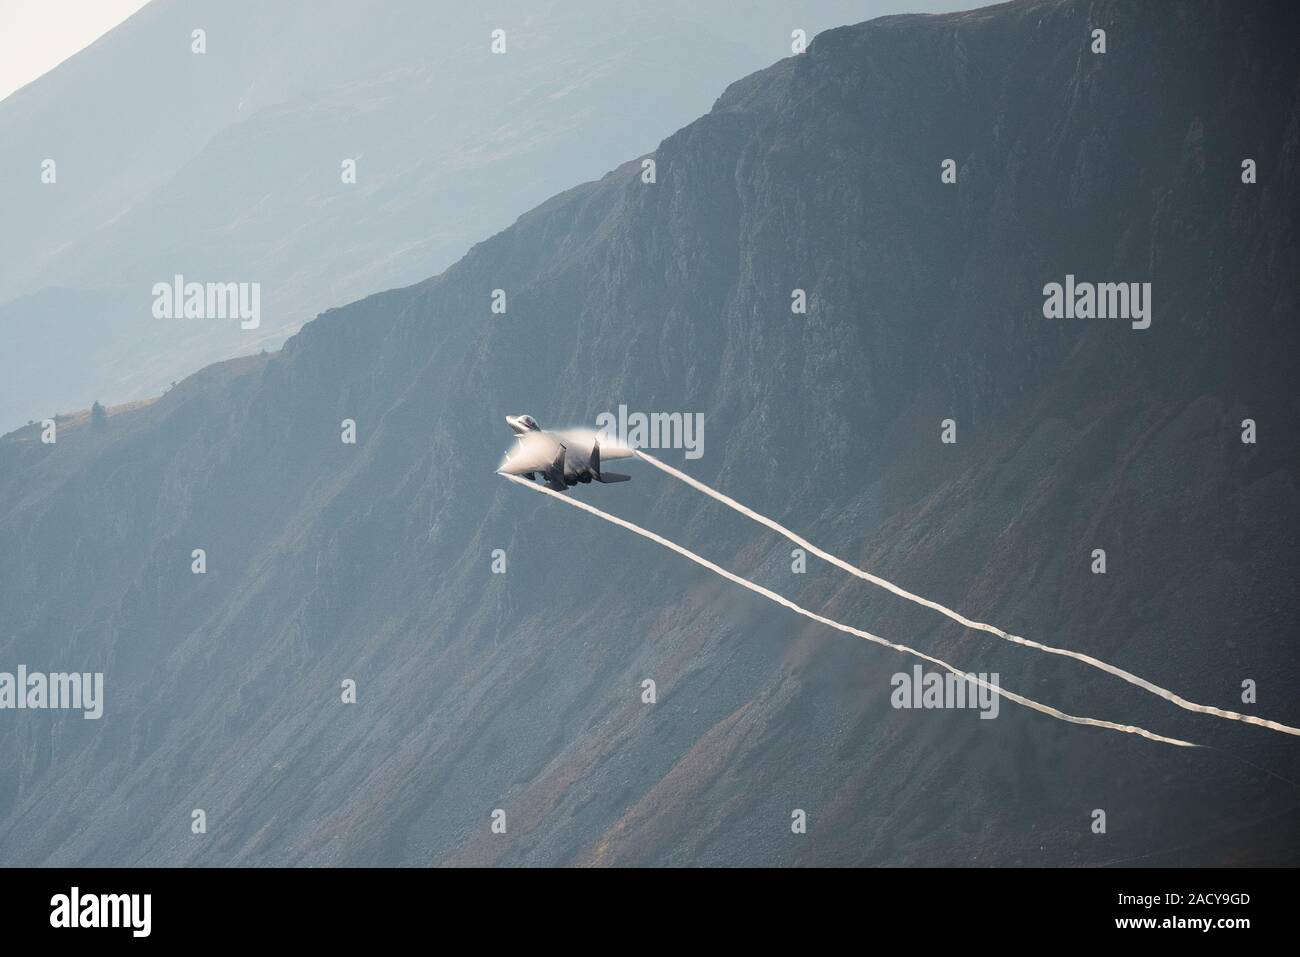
(559, 459)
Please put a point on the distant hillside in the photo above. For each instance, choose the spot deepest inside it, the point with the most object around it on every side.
(227, 166)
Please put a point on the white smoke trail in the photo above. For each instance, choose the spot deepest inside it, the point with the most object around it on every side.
(962, 619)
(782, 600)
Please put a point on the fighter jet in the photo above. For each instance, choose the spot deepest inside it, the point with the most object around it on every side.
(560, 459)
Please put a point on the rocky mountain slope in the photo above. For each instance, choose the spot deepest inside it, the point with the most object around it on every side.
(522, 691)
(227, 165)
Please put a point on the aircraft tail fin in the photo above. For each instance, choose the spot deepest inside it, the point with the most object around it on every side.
(606, 477)
(555, 474)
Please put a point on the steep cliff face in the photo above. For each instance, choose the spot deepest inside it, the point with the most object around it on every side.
(521, 691)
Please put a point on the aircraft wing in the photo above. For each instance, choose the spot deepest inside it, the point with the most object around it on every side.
(586, 438)
(528, 456)
(513, 466)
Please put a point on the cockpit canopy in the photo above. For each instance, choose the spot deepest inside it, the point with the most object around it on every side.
(522, 423)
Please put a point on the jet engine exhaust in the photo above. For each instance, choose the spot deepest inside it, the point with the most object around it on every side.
(847, 629)
(958, 617)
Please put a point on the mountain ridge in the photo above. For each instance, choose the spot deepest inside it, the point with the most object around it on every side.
(226, 165)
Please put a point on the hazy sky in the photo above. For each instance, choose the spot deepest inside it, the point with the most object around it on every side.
(38, 35)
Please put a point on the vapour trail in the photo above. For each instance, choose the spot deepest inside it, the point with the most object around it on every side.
(847, 629)
(960, 618)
